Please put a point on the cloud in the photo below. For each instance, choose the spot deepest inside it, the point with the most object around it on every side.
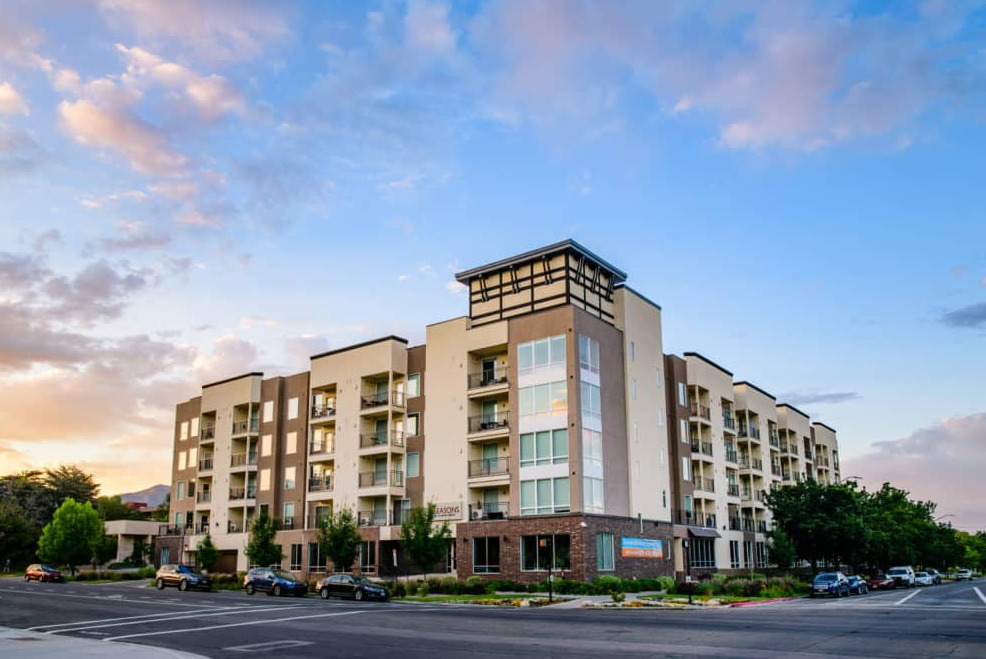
(132, 236)
(960, 270)
(11, 102)
(249, 322)
(230, 356)
(219, 30)
(299, 349)
(943, 463)
(819, 398)
(19, 271)
(20, 153)
(972, 316)
(427, 269)
(455, 287)
(427, 27)
(98, 291)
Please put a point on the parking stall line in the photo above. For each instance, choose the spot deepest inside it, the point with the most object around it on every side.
(146, 615)
(980, 593)
(102, 598)
(899, 602)
(234, 624)
(184, 616)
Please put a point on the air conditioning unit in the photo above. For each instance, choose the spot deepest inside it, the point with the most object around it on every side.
(364, 521)
(478, 513)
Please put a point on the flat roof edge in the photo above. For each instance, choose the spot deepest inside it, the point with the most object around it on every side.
(708, 361)
(465, 275)
(392, 337)
(238, 377)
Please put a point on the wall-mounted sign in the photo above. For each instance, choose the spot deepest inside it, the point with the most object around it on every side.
(448, 511)
(641, 548)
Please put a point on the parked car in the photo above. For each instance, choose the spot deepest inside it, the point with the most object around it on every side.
(881, 582)
(923, 579)
(935, 575)
(857, 585)
(903, 576)
(181, 576)
(830, 583)
(963, 575)
(273, 582)
(347, 585)
(39, 572)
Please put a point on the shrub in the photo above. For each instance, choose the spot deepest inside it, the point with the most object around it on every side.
(618, 596)
(478, 586)
(424, 589)
(608, 584)
(667, 584)
(410, 589)
(397, 590)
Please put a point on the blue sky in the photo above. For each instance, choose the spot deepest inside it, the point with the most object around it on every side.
(193, 189)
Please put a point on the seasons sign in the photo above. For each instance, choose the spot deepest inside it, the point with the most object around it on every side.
(448, 511)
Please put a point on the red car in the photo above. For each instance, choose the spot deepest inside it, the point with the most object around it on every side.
(38, 572)
(881, 582)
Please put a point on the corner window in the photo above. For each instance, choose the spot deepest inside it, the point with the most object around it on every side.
(605, 561)
(544, 496)
(412, 425)
(543, 353)
(588, 354)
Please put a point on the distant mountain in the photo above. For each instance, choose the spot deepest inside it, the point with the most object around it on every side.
(152, 496)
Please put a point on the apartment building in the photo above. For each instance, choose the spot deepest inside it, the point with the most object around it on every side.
(547, 425)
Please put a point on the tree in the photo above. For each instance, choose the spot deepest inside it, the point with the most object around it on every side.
(781, 549)
(139, 553)
(207, 554)
(111, 508)
(261, 548)
(104, 550)
(163, 512)
(338, 539)
(71, 536)
(18, 536)
(70, 482)
(423, 543)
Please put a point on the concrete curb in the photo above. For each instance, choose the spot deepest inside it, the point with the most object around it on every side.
(19, 643)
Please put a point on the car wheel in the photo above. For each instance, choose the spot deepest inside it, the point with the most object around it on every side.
(358, 595)
(276, 592)
(183, 585)
(160, 584)
(250, 589)
(324, 593)
(863, 590)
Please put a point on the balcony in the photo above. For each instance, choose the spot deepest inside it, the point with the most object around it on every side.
(730, 454)
(239, 493)
(735, 524)
(701, 411)
(395, 398)
(708, 521)
(773, 440)
(319, 484)
(205, 464)
(789, 449)
(749, 432)
(244, 427)
(775, 470)
(317, 447)
(203, 497)
(762, 526)
(488, 467)
(733, 490)
(323, 413)
(287, 523)
(377, 479)
(498, 510)
(705, 484)
(207, 433)
(704, 448)
(747, 462)
(380, 439)
(488, 378)
(487, 424)
(373, 517)
(749, 525)
(243, 459)
(234, 527)
(203, 527)
(808, 455)
(785, 475)
(728, 421)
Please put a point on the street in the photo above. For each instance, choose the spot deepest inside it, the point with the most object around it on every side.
(937, 621)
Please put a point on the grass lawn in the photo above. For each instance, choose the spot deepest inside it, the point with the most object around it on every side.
(725, 599)
(12, 575)
(459, 598)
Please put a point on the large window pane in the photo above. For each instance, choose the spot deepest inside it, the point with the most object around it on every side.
(528, 497)
(525, 357)
(541, 399)
(544, 495)
(563, 552)
(527, 449)
(561, 488)
(541, 353)
(529, 552)
(559, 398)
(604, 551)
(558, 350)
(583, 351)
(559, 446)
(544, 448)
(526, 396)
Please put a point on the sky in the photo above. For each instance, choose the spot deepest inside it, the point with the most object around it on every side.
(192, 190)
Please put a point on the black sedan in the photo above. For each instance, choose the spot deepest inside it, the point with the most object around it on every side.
(347, 585)
(857, 585)
(181, 576)
(273, 582)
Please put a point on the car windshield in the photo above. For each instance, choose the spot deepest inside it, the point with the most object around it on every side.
(362, 581)
(899, 570)
(826, 577)
(281, 574)
(921, 574)
(184, 569)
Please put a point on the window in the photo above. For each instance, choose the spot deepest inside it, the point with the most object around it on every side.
(412, 425)
(291, 443)
(544, 399)
(633, 387)
(592, 495)
(633, 352)
(543, 353)
(296, 557)
(178, 519)
(683, 431)
(413, 385)
(734, 558)
(315, 563)
(686, 469)
(182, 457)
(592, 448)
(682, 395)
(368, 556)
(544, 495)
(605, 561)
(194, 429)
(193, 458)
(486, 555)
(322, 513)
(537, 552)
(264, 479)
(181, 490)
(688, 505)
(183, 435)
(292, 408)
(265, 443)
(288, 514)
(289, 478)
(703, 552)
(413, 465)
(591, 404)
(268, 411)
(544, 448)
(588, 353)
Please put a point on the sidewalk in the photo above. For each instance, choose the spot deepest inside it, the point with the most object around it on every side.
(578, 601)
(18, 643)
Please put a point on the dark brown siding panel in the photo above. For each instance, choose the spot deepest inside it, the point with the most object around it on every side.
(416, 444)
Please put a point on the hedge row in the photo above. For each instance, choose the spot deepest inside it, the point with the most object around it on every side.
(142, 573)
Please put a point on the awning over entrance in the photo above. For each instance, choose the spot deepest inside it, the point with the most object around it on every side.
(701, 532)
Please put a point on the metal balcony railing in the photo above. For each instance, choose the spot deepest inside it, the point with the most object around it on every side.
(236, 493)
(700, 411)
(234, 527)
(380, 439)
(287, 523)
(730, 455)
(498, 510)
(241, 427)
(728, 421)
(319, 484)
(203, 497)
(323, 411)
(373, 518)
(749, 432)
(205, 464)
(488, 378)
(208, 432)
(317, 446)
(485, 423)
(775, 470)
(733, 490)
(709, 521)
(376, 479)
(774, 441)
(395, 398)
(735, 524)
(203, 527)
(488, 467)
(240, 459)
(705, 484)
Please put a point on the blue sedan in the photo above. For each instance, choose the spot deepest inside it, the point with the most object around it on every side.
(273, 582)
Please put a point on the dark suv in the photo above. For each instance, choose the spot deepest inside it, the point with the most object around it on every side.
(345, 585)
(181, 576)
(38, 572)
(273, 582)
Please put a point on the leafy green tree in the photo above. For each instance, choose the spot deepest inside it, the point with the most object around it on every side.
(207, 554)
(338, 539)
(71, 536)
(163, 512)
(138, 556)
(111, 508)
(18, 536)
(781, 549)
(424, 543)
(70, 482)
(261, 548)
(104, 550)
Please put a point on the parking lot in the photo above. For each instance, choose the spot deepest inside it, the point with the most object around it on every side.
(936, 621)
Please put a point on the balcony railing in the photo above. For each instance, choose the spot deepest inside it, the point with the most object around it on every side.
(323, 411)
(205, 464)
(319, 484)
(498, 510)
(762, 526)
(484, 423)
(241, 427)
(808, 455)
(208, 432)
(705, 484)
(234, 527)
(728, 421)
(735, 524)
(380, 439)
(749, 524)
(203, 497)
(785, 475)
(730, 455)
(322, 446)
(774, 441)
(488, 378)
(240, 459)
(375, 479)
(746, 462)
(203, 527)
(750, 432)
(708, 521)
(733, 490)
(488, 467)
(775, 470)
(287, 523)
(395, 398)
(236, 493)
(372, 517)
(701, 411)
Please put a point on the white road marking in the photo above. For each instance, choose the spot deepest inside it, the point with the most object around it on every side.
(268, 646)
(980, 593)
(103, 598)
(184, 616)
(899, 602)
(146, 615)
(235, 624)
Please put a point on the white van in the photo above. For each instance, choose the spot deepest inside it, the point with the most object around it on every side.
(903, 576)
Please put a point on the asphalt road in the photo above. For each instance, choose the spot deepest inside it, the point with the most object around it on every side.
(938, 621)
